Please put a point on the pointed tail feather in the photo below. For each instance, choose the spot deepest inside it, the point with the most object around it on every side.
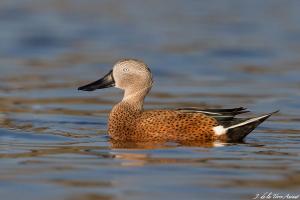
(238, 132)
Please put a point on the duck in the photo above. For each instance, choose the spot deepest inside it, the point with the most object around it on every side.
(128, 121)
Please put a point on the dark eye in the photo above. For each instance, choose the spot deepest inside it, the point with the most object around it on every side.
(125, 69)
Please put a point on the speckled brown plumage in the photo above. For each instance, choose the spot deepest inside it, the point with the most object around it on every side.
(129, 123)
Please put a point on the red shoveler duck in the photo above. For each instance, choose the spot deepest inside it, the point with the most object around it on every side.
(128, 121)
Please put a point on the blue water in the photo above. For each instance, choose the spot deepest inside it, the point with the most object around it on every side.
(53, 139)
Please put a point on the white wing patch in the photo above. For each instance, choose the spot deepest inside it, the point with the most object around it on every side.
(248, 121)
(220, 130)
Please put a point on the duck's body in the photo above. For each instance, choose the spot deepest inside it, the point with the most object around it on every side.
(129, 122)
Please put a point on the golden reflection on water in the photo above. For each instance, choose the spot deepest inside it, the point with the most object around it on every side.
(155, 145)
(91, 196)
(291, 180)
(64, 149)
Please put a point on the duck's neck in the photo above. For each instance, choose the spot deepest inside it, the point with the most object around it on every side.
(123, 116)
(135, 98)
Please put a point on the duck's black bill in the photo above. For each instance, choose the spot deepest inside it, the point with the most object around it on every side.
(105, 82)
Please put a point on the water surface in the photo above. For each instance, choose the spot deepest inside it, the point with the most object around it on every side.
(53, 139)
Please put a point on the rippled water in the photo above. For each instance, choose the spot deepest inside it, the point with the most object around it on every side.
(53, 141)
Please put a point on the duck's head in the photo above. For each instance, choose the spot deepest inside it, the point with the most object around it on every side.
(128, 74)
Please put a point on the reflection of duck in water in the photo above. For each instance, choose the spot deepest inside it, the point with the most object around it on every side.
(129, 122)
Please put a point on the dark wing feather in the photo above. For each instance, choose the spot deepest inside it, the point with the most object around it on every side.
(219, 114)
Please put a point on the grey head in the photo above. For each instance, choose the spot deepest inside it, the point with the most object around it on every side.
(131, 75)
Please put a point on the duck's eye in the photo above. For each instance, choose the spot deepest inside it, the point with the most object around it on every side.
(125, 69)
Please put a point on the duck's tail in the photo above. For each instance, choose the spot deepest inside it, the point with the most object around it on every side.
(238, 131)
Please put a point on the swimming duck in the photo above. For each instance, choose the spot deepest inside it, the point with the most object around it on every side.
(128, 121)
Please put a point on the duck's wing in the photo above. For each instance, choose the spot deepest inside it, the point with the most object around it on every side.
(236, 128)
(218, 114)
